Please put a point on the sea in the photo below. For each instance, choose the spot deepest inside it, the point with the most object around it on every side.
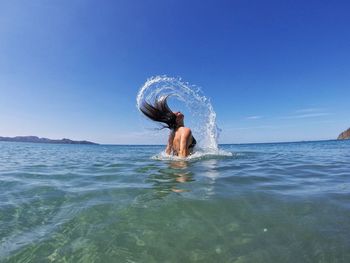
(274, 202)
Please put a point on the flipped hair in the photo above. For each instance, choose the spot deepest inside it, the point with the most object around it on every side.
(160, 112)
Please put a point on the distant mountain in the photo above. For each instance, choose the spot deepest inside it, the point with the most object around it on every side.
(41, 140)
(344, 135)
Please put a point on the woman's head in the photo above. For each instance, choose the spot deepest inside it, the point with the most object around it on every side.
(161, 112)
(179, 118)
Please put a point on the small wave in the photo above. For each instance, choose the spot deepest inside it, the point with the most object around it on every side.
(195, 156)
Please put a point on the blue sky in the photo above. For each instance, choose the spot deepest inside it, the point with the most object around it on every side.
(274, 70)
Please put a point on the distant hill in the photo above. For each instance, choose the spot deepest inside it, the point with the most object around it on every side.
(42, 140)
(344, 135)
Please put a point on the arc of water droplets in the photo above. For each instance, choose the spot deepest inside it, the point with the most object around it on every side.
(205, 129)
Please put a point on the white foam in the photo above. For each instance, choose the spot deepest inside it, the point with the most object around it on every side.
(195, 156)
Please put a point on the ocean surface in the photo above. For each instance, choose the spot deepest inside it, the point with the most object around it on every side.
(285, 202)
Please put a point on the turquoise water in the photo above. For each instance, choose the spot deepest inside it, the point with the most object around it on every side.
(286, 202)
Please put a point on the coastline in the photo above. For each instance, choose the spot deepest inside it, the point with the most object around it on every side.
(36, 139)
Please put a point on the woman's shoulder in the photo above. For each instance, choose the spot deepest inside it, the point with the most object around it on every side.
(185, 130)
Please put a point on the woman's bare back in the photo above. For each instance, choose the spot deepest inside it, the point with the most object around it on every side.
(179, 141)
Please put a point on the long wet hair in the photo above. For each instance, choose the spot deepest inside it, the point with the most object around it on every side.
(160, 112)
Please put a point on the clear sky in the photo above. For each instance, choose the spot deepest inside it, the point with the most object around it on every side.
(274, 70)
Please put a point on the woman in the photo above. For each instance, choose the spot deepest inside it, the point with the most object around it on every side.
(180, 142)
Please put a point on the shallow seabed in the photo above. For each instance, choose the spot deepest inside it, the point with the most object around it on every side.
(286, 202)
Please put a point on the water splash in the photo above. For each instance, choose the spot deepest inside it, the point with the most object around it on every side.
(204, 128)
(197, 155)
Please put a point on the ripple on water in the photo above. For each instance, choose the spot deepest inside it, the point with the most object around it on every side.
(266, 203)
